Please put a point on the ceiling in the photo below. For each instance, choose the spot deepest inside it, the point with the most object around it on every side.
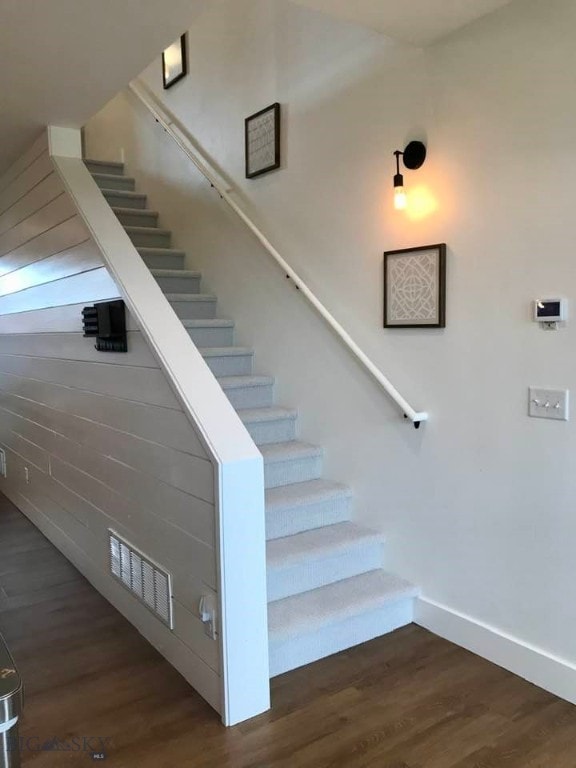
(418, 22)
(62, 60)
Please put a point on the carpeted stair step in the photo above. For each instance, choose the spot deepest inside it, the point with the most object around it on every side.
(193, 306)
(248, 391)
(229, 361)
(125, 199)
(215, 332)
(112, 181)
(162, 258)
(107, 167)
(134, 217)
(307, 627)
(292, 462)
(177, 280)
(292, 509)
(149, 237)
(270, 425)
(313, 559)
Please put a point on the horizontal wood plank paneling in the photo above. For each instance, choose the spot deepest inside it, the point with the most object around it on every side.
(61, 237)
(17, 217)
(125, 382)
(93, 440)
(189, 630)
(47, 216)
(73, 261)
(162, 425)
(63, 319)
(133, 466)
(25, 160)
(151, 535)
(27, 180)
(27, 450)
(75, 346)
(95, 285)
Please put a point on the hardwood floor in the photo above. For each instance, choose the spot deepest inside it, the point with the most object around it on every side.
(408, 700)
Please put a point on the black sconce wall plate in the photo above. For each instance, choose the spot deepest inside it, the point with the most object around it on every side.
(107, 322)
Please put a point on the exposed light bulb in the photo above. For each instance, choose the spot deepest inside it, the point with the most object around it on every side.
(400, 199)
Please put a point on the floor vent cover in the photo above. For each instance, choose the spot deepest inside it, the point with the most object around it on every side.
(146, 580)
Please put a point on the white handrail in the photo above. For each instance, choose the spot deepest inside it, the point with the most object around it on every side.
(183, 139)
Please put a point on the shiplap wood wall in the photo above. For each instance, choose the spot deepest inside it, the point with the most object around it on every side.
(94, 440)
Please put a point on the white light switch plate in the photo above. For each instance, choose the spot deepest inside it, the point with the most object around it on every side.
(549, 404)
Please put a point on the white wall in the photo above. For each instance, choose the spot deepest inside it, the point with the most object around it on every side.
(478, 505)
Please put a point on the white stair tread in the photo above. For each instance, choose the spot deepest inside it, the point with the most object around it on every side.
(294, 449)
(112, 176)
(318, 543)
(217, 322)
(146, 250)
(226, 351)
(147, 231)
(303, 494)
(263, 415)
(109, 163)
(144, 212)
(238, 382)
(327, 605)
(190, 297)
(127, 193)
(180, 273)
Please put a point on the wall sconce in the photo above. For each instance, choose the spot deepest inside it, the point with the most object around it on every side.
(413, 156)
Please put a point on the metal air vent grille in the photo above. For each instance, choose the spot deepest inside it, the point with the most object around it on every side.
(147, 581)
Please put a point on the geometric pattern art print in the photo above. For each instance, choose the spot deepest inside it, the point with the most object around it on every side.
(262, 142)
(413, 288)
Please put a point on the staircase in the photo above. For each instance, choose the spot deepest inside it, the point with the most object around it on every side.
(326, 588)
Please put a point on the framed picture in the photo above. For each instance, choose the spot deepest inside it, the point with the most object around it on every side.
(174, 65)
(415, 287)
(262, 135)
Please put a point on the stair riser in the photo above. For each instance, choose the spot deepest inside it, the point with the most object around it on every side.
(292, 520)
(146, 219)
(212, 337)
(179, 284)
(251, 397)
(292, 471)
(306, 648)
(312, 574)
(110, 170)
(164, 261)
(238, 365)
(118, 201)
(267, 432)
(194, 310)
(116, 182)
(151, 240)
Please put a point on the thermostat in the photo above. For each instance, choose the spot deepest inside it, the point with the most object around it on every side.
(550, 310)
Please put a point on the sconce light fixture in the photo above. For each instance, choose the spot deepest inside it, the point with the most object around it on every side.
(413, 156)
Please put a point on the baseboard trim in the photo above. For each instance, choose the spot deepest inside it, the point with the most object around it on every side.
(534, 664)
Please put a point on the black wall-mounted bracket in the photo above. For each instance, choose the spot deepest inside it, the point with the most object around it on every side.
(107, 322)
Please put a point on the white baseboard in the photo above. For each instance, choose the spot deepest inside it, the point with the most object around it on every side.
(534, 664)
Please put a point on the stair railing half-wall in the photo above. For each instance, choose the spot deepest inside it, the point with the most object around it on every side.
(240, 539)
(181, 136)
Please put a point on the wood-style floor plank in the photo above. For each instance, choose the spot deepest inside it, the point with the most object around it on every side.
(408, 700)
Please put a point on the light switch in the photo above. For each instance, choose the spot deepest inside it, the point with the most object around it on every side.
(549, 403)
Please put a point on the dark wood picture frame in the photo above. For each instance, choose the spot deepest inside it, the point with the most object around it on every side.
(169, 82)
(275, 164)
(441, 294)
